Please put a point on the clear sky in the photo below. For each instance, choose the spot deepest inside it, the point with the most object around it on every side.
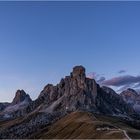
(40, 42)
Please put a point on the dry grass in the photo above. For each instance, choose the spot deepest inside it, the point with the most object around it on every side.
(82, 125)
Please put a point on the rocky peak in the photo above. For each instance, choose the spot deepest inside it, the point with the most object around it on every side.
(132, 98)
(72, 93)
(79, 71)
(129, 94)
(48, 87)
(132, 91)
(109, 102)
(76, 92)
(20, 96)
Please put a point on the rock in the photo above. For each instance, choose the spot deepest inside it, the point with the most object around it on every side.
(132, 98)
(20, 97)
(74, 92)
(109, 102)
(78, 92)
(79, 71)
(18, 107)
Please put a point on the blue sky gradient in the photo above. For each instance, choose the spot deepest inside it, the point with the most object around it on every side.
(40, 42)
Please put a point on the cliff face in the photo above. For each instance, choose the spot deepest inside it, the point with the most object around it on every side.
(72, 93)
(109, 102)
(76, 92)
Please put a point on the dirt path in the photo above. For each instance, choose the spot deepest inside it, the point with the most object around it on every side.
(126, 135)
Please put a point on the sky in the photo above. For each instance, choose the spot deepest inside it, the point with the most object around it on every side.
(40, 43)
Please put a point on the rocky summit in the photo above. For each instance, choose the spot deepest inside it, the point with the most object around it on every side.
(17, 107)
(20, 97)
(132, 98)
(74, 93)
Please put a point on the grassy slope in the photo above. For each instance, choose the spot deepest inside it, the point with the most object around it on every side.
(84, 125)
(81, 125)
(132, 132)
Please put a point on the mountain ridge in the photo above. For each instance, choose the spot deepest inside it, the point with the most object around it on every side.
(74, 93)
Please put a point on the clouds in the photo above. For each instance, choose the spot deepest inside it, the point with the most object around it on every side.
(121, 71)
(119, 82)
(92, 75)
(99, 78)
(122, 80)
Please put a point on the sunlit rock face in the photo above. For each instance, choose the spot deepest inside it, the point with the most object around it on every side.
(79, 71)
(75, 92)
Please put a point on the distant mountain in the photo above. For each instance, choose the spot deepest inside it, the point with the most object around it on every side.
(109, 102)
(28, 119)
(20, 97)
(18, 106)
(76, 92)
(131, 97)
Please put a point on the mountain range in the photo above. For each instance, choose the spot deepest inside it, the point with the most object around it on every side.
(77, 107)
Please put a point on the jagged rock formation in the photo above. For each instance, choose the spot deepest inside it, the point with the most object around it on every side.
(74, 92)
(18, 106)
(20, 97)
(109, 102)
(132, 98)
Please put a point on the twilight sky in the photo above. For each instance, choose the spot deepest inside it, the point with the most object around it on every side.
(40, 42)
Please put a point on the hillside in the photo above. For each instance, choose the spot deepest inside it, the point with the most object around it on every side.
(84, 125)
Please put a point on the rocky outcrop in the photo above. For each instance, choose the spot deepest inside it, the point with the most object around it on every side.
(132, 98)
(25, 127)
(76, 92)
(20, 97)
(109, 102)
(17, 108)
